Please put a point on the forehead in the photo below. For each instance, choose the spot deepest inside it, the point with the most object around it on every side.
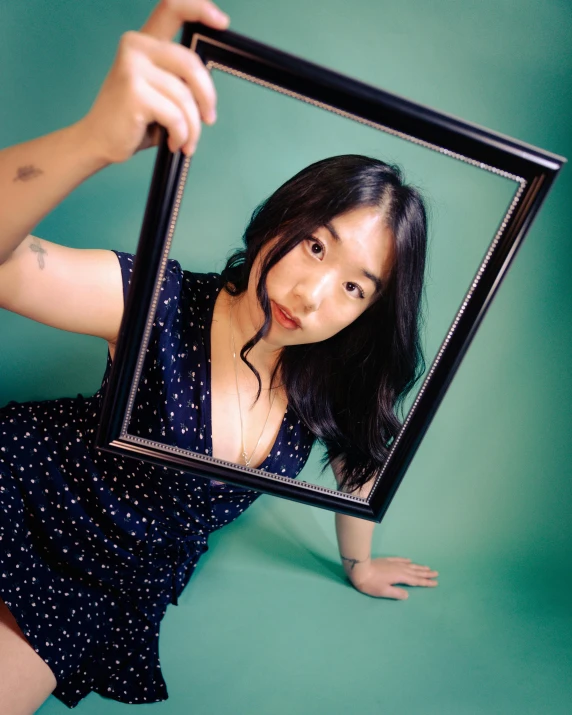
(363, 238)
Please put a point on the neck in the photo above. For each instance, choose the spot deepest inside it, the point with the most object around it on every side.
(245, 325)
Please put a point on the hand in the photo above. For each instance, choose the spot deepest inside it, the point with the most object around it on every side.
(376, 577)
(154, 81)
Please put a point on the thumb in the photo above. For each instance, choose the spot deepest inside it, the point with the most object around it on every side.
(168, 16)
(399, 593)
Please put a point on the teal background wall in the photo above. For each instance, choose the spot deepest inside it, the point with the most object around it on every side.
(268, 624)
(262, 138)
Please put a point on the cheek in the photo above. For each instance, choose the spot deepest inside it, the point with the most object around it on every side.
(281, 274)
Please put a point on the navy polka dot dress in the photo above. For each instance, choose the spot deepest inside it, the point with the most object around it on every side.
(93, 546)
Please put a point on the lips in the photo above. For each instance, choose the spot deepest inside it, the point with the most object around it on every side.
(285, 317)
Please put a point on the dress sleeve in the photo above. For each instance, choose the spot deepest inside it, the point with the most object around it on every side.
(126, 265)
(171, 283)
(151, 399)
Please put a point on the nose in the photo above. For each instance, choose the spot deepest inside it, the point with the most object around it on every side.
(311, 289)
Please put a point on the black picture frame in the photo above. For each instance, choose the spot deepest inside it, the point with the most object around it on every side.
(532, 169)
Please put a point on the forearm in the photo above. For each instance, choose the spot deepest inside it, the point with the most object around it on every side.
(354, 541)
(37, 175)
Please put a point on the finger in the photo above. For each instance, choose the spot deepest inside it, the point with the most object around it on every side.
(169, 115)
(416, 581)
(168, 16)
(184, 64)
(189, 67)
(152, 136)
(398, 558)
(399, 594)
(179, 94)
(425, 570)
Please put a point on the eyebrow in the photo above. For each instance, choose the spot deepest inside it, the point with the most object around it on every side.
(373, 278)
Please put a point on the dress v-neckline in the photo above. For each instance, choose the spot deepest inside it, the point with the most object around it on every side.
(207, 323)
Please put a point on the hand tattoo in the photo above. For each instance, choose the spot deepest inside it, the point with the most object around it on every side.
(36, 248)
(25, 173)
(353, 562)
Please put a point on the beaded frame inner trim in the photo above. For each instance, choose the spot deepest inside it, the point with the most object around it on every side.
(530, 168)
(211, 64)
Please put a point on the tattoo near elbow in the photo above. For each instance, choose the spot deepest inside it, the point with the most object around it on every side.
(35, 247)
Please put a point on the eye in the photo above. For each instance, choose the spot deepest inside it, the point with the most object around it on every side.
(316, 247)
(355, 290)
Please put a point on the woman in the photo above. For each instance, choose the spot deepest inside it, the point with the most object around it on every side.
(94, 547)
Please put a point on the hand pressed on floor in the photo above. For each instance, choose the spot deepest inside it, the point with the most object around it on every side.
(377, 577)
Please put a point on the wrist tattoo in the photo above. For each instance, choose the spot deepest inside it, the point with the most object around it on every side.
(35, 247)
(353, 562)
(25, 173)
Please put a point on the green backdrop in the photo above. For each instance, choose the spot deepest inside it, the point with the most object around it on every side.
(268, 624)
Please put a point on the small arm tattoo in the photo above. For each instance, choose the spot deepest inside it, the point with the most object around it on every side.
(35, 247)
(25, 173)
(353, 562)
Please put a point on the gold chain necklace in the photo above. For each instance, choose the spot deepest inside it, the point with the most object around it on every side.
(247, 460)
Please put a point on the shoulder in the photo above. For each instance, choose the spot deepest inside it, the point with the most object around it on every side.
(175, 278)
(202, 284)
(199, 290)
(172, 276)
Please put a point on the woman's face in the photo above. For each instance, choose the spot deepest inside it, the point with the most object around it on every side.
(328, 280)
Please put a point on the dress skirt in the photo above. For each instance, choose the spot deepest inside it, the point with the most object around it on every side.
(94, 546)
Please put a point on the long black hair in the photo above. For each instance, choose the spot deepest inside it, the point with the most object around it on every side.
(350, 388)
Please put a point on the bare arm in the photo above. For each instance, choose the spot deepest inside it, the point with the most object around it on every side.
(71, 289)
(37, 175)
(153, 82)
(79, 290)
(375, 576)
(354, 542)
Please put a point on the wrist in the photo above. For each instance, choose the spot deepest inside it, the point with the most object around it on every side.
(355, 569)
(84, 145)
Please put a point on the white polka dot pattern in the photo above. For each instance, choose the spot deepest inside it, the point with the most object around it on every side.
(94, 547)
